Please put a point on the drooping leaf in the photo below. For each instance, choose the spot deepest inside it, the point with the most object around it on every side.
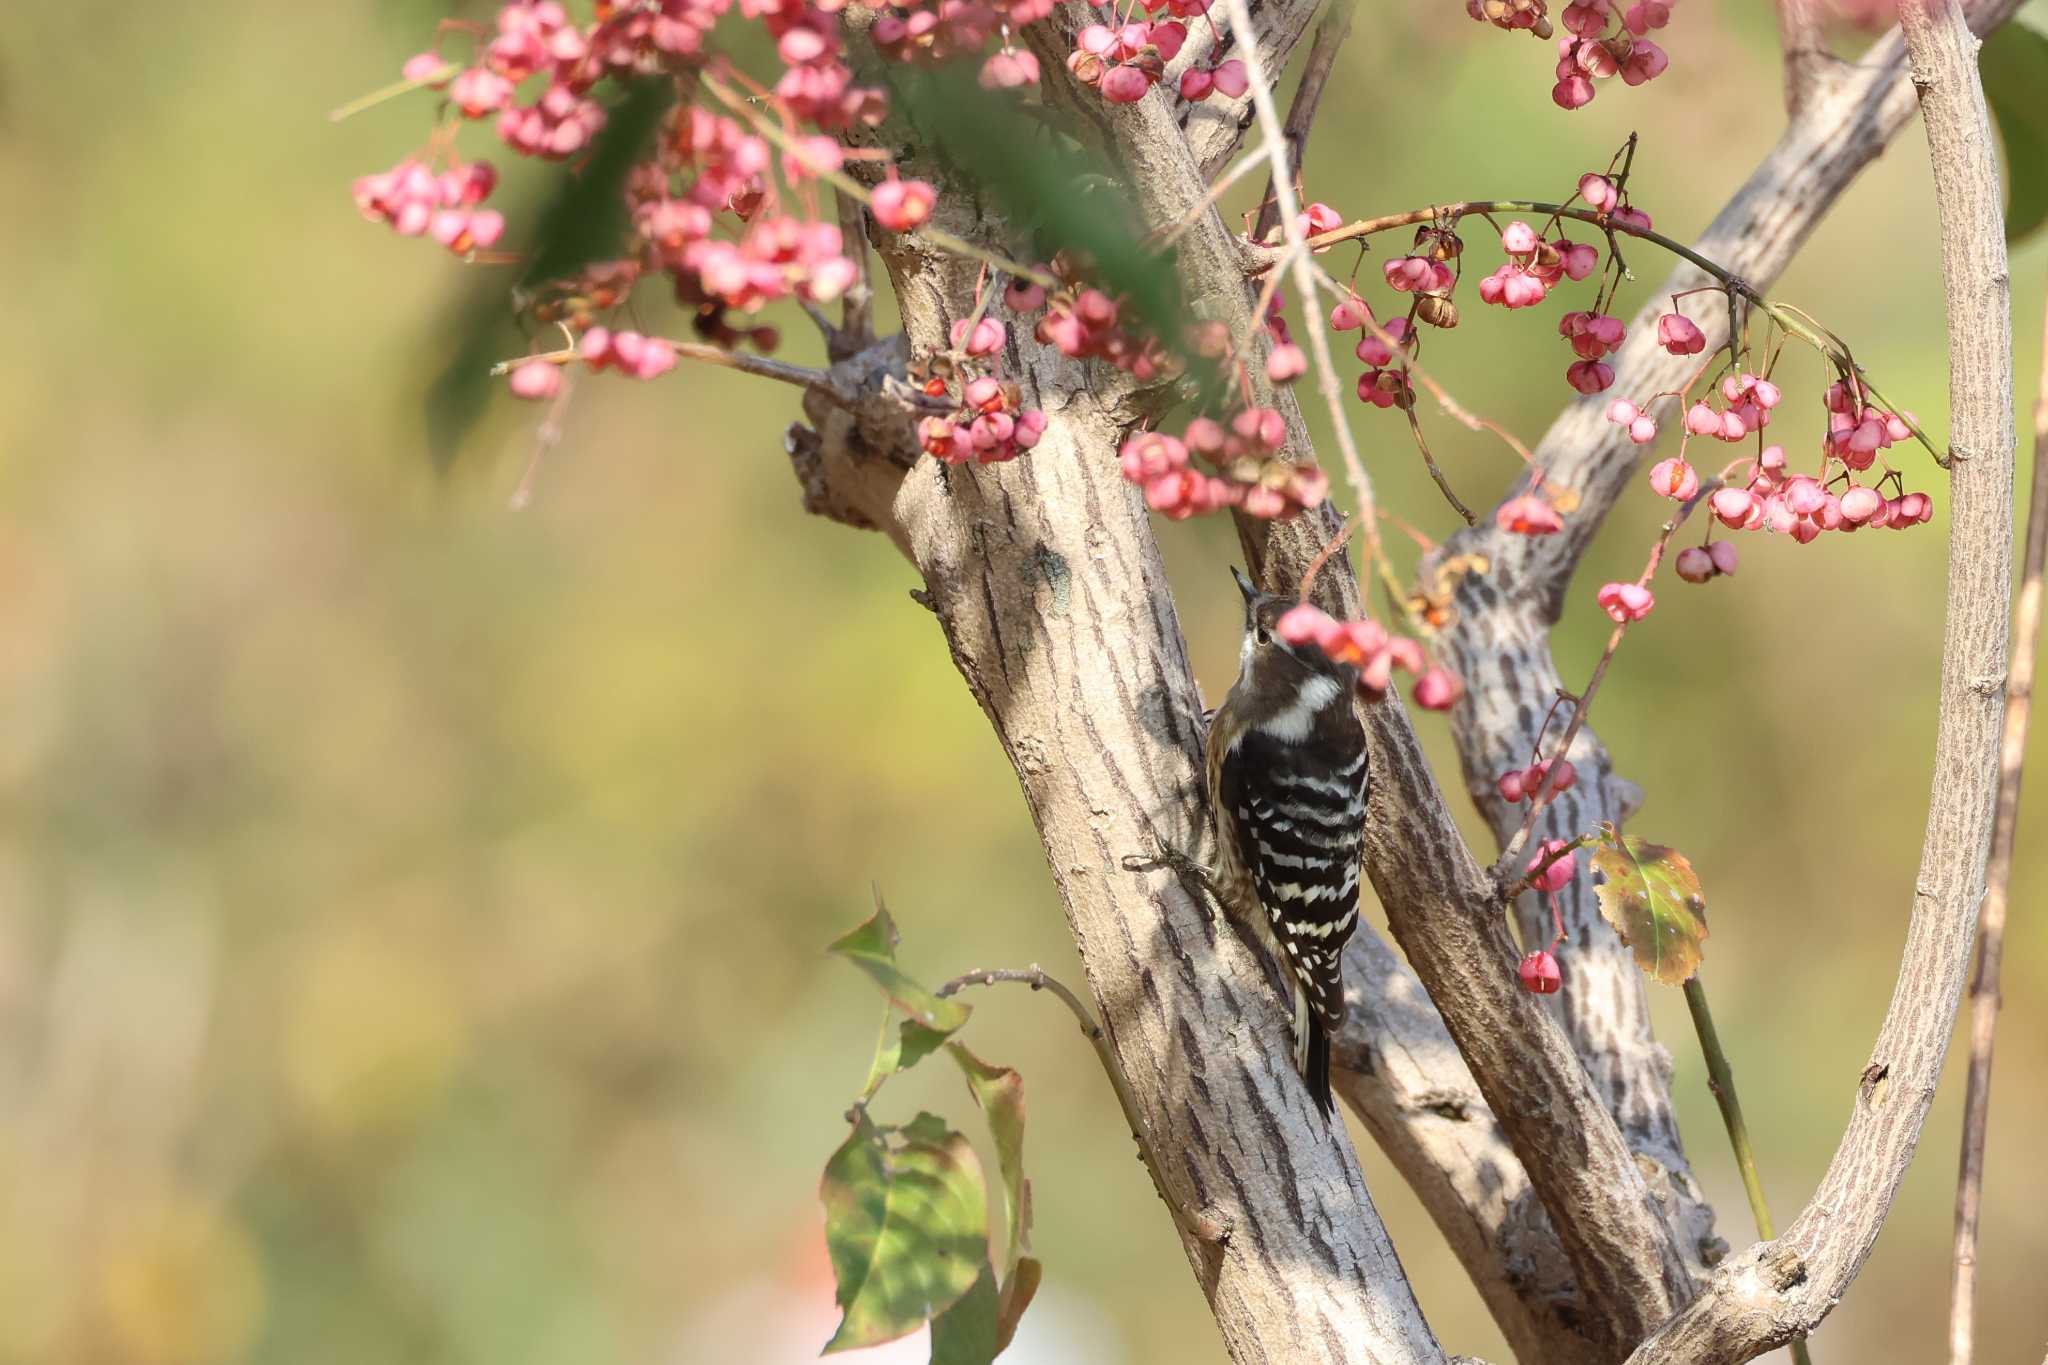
(1033, 175)
(872, 948)
(903, 1044)
(968, 1332)
(585, 221)
(906, 1225)
(1651, 896)
(2014, 66)
(999, 1090)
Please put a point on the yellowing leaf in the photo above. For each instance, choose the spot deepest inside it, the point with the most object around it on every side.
(1651, 896)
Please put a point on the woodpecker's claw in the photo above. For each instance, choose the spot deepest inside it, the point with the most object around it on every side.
(1180, 864)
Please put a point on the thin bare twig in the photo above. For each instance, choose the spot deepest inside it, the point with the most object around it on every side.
(1297, 258)
(1331, 32)
(1206, 1225)
(1984, 993)
(803, 376)
(1324, 556)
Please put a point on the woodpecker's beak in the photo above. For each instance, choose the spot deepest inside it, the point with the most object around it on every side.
(1244, 585)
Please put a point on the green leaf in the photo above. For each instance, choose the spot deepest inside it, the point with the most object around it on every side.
(906, 1225)
(1041, 177)
(872, 948)
(1651, 896)
(902, 1045)
(2014, 66)
(967, 1333)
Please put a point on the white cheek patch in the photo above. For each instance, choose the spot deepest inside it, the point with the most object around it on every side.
(1291, 723)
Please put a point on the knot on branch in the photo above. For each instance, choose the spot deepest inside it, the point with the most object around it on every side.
(1782, 1267)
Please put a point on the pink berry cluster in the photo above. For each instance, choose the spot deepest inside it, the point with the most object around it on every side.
(962, 28)
(1087, 324)
(1521, 784)
(601, 348)
(707, 206)
(1369, 648)
(1698, 563)
(1591, 52)
(1802, 505)
(1251, 473)
(1601, 40)
(1384, 384)
(1538, 261)
(1535, 265)
(990, 426)
(416, 202)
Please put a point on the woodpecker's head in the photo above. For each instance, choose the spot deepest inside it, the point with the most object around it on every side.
(1267, 663)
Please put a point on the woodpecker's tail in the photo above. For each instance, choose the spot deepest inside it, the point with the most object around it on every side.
(1312, 1051)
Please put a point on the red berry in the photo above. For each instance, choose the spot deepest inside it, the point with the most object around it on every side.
(1438, 690)
(1539, 973)
(1558, 875)
(901, 205)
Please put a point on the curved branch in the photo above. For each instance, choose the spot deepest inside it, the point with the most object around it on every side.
(1780, 1290)
(1501, 632)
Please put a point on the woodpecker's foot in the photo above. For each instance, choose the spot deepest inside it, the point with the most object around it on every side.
(1181, 865)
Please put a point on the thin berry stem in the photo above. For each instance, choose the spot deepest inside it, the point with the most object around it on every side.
(1547, 787)
(1721, 1080)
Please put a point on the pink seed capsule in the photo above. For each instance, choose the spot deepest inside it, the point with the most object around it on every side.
(1695, 564)
(1539, 973)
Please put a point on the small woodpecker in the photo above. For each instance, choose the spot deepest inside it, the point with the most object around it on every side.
(1287, 781)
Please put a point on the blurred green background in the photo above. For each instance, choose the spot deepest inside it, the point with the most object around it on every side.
(413, 908)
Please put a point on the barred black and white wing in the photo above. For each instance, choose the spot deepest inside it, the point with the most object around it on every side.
(1293, 807)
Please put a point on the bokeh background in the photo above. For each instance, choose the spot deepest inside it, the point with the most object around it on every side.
(412, 910)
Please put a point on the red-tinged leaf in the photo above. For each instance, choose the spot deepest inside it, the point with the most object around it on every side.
(1651, 896)
(906, 1225)
(999, 1090)
(1018, 1292)
(872, 948)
